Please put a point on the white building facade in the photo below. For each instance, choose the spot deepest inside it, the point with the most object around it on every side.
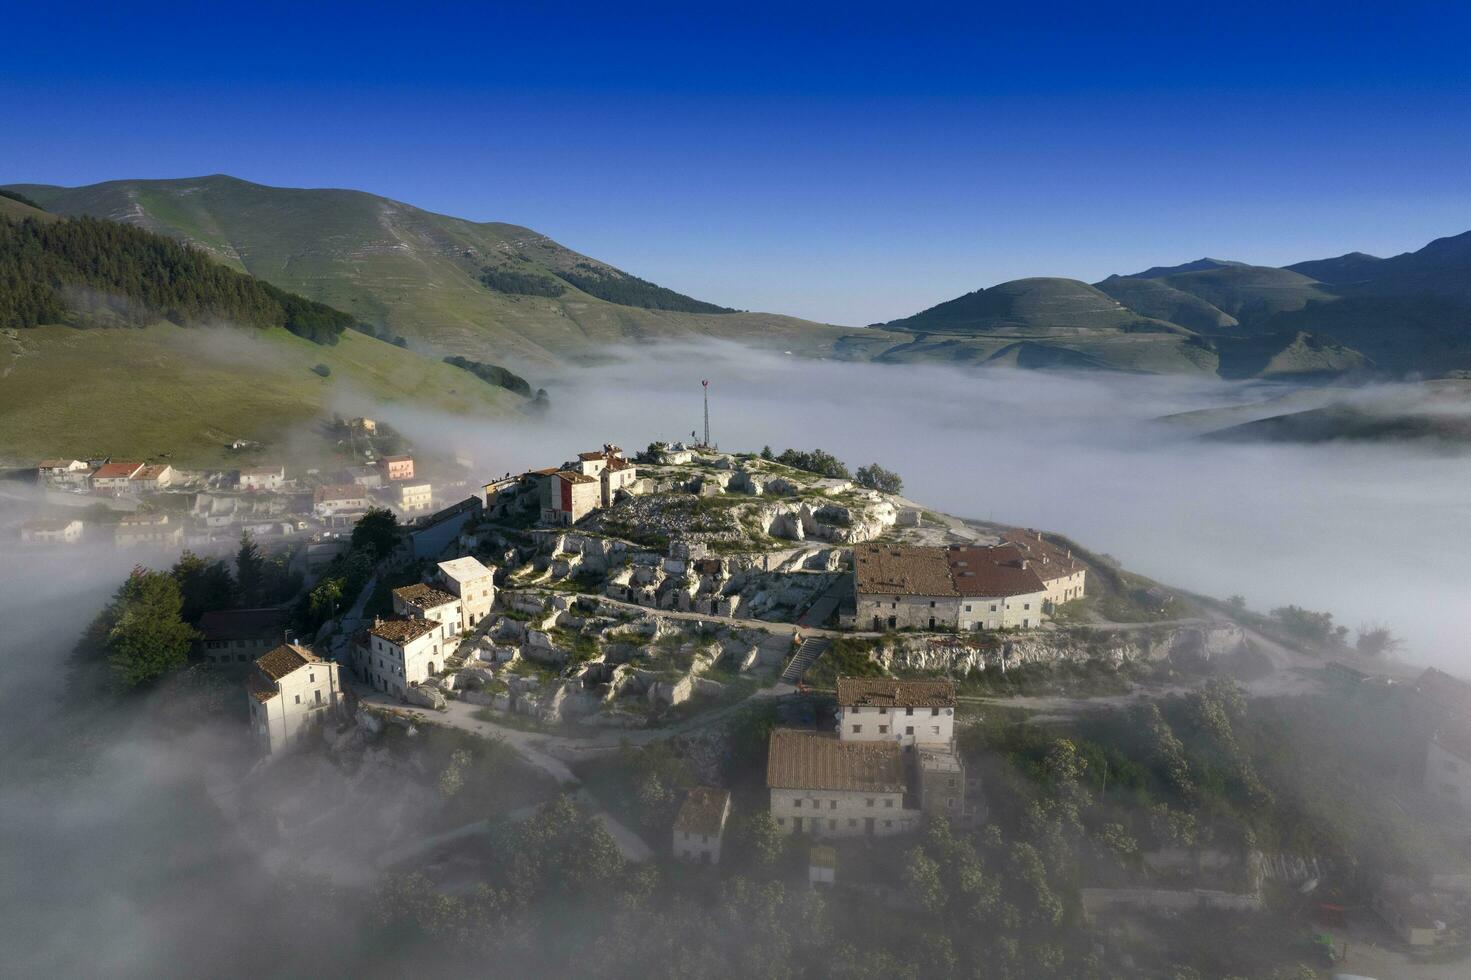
(474, 585)
(402, 652)
(290, 690)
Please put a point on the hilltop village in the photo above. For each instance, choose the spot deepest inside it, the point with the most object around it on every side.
(816, 658)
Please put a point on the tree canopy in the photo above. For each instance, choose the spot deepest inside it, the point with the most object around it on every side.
(146, 634)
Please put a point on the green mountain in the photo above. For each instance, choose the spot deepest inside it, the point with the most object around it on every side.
(485, 290)
(118, 341)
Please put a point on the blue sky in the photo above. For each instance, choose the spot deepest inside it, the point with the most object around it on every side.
(840, 162)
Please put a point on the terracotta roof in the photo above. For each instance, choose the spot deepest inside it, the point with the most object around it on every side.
(152, 472)
(284, 659)
(55, 464)
(259, 688)
(999, 571)
(703, 811)
(890, 569)
(549, 471)
(338, 491)
(422, 596)
(589, 457)
(398, 459)
(571, 477)
(116, 471)
(402, 631)
(806, 760)
(888, 692)
(619, 464)
(1049, 561)
(242, 624)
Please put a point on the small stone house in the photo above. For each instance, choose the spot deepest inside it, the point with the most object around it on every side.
(570, 497)
(239, 636)
(290, 690)
(473, 583)
(700, 825)
(420, 601)
(148, 531)
(257, 478)
(61, 470)
(402, 652)
(339, 503)
(52, 531)
(397, 468)
(114, 477)
(830, 788)
(153, 477)
(415, 497)
(885, 709)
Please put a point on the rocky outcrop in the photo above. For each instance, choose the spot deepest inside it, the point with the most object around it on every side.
(960, 655)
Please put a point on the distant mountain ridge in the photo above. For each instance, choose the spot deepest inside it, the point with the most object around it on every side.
(1350, 314)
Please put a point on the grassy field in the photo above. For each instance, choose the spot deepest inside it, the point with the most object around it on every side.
(189, 392)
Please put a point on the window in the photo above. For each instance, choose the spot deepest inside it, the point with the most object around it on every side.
(852, 821)
(883, 711)
(993, 607)
(888, 823)
(318, 693)
(909, 711)
(908, 729)
(967, 608)
(883, 729)
(781, 821)
(1026, 605)
(832, 804)
(932, 603)
(890, 804)
(311, 678)
(298, 699)
(869, 801)
(857, 729)
(797, 804)
(934, 712)
(934, 729)
(241, 657)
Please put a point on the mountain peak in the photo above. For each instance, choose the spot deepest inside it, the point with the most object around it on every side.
(1199, 265)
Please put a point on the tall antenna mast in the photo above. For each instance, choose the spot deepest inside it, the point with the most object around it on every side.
(706, 386)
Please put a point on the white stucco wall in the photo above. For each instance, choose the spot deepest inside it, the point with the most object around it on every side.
(306, 696)
(870, 724)
(835, 813)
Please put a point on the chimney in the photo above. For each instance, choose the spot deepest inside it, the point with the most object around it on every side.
(1039, 535)
(1024, 563)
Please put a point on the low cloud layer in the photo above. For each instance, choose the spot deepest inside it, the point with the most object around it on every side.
(1366, 531)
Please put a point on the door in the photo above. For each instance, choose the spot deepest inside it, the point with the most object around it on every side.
(797, 824)
(868, 826)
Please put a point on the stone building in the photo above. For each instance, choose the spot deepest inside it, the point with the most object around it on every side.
(148, 531)
(415, 497)
(45, 530)
(399, 653)
(570, 496)
(883, 709)
(1064, 576)
(61, 470)
(942, 789)
(114, 477)
(397, 468)
(826, 787)
(700, 824)
(420, 601)
(290, 689)
(258, 478)
(153, 477)
(958, 587)
(473, 583)
(239, 636)
(340, 504)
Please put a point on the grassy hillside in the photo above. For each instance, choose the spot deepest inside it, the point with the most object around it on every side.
(190, 391)
(1031, 307)
(464, 287)
(1160, 300)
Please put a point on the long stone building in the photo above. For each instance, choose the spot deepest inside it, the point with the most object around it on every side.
(891, 762)
(1007, 586)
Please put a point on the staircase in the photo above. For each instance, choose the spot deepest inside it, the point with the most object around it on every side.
(806, 655)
